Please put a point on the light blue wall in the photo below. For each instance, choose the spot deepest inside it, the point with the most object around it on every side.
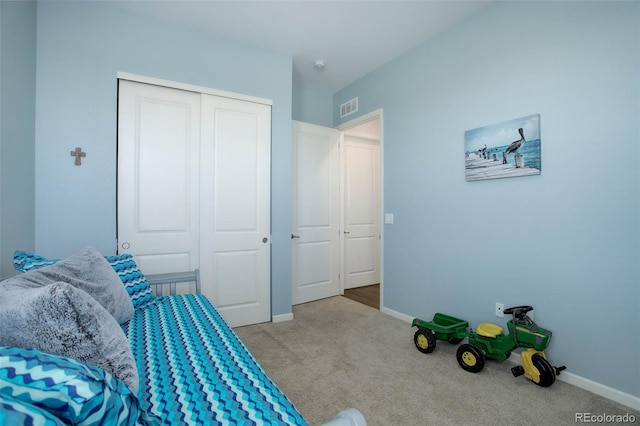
(313, 105)
(566, 242)
(80, 47)
(17, 118)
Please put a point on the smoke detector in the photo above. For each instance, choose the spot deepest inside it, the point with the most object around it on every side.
(318, 64)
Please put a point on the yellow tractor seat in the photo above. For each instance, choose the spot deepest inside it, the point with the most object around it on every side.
(488, 329)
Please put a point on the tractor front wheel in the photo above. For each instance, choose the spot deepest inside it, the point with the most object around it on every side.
(470, 358)
(547, 372)
(425, 341)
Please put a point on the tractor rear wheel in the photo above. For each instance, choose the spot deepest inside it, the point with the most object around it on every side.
(470, 358)
(425, 341)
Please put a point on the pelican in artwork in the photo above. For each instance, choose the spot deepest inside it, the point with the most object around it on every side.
(514, 147)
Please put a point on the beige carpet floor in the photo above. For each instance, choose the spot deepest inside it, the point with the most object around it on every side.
(337, 353)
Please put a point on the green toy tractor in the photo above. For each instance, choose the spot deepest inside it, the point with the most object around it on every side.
(489, 341)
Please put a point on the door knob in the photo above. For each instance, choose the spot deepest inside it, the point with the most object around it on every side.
(265, 240)
(294, 236)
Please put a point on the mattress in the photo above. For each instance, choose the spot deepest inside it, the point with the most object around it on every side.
(194, 370)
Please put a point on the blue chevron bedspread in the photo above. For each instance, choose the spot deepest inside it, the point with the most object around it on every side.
(194, 370)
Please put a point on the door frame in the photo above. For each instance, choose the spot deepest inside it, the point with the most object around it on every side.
(378, 113)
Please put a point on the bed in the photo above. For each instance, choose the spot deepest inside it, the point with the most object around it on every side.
(170, 359)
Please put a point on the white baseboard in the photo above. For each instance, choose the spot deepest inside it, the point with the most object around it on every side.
(604, 391)
(282, 317)
(620, 397)
(398, 315)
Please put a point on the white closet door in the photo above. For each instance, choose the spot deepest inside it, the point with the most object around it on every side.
(235, 248)
(316, 212)
(158, 176)
(194, 192)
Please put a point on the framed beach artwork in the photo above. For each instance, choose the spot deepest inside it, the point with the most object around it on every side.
(507, 149)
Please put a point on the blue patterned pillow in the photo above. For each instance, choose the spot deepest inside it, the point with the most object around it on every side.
(68, 389)
(131, 276)
(24, 261)
(134, 281)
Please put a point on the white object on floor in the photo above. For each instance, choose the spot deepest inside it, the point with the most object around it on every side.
(348, 417)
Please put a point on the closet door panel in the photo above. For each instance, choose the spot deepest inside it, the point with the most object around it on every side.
(235, 208)
(158, 178)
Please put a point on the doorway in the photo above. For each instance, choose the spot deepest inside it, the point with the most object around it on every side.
(336, 208)
(362, 209)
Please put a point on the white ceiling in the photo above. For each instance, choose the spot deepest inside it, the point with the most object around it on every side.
(352, 37)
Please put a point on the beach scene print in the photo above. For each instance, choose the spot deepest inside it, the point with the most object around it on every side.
(507, 149)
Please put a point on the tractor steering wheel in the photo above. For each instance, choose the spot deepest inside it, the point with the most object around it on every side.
(518, 311)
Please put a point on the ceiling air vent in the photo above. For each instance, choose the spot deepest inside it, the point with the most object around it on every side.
(349, 107)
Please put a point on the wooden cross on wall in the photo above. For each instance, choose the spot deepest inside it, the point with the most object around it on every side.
(78, 154)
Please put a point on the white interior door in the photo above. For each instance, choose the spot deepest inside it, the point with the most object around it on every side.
(316, 212)
(158, 181)
(235, 249)
(361, 212)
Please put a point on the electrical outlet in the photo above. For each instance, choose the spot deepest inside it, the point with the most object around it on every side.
(499, 309)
